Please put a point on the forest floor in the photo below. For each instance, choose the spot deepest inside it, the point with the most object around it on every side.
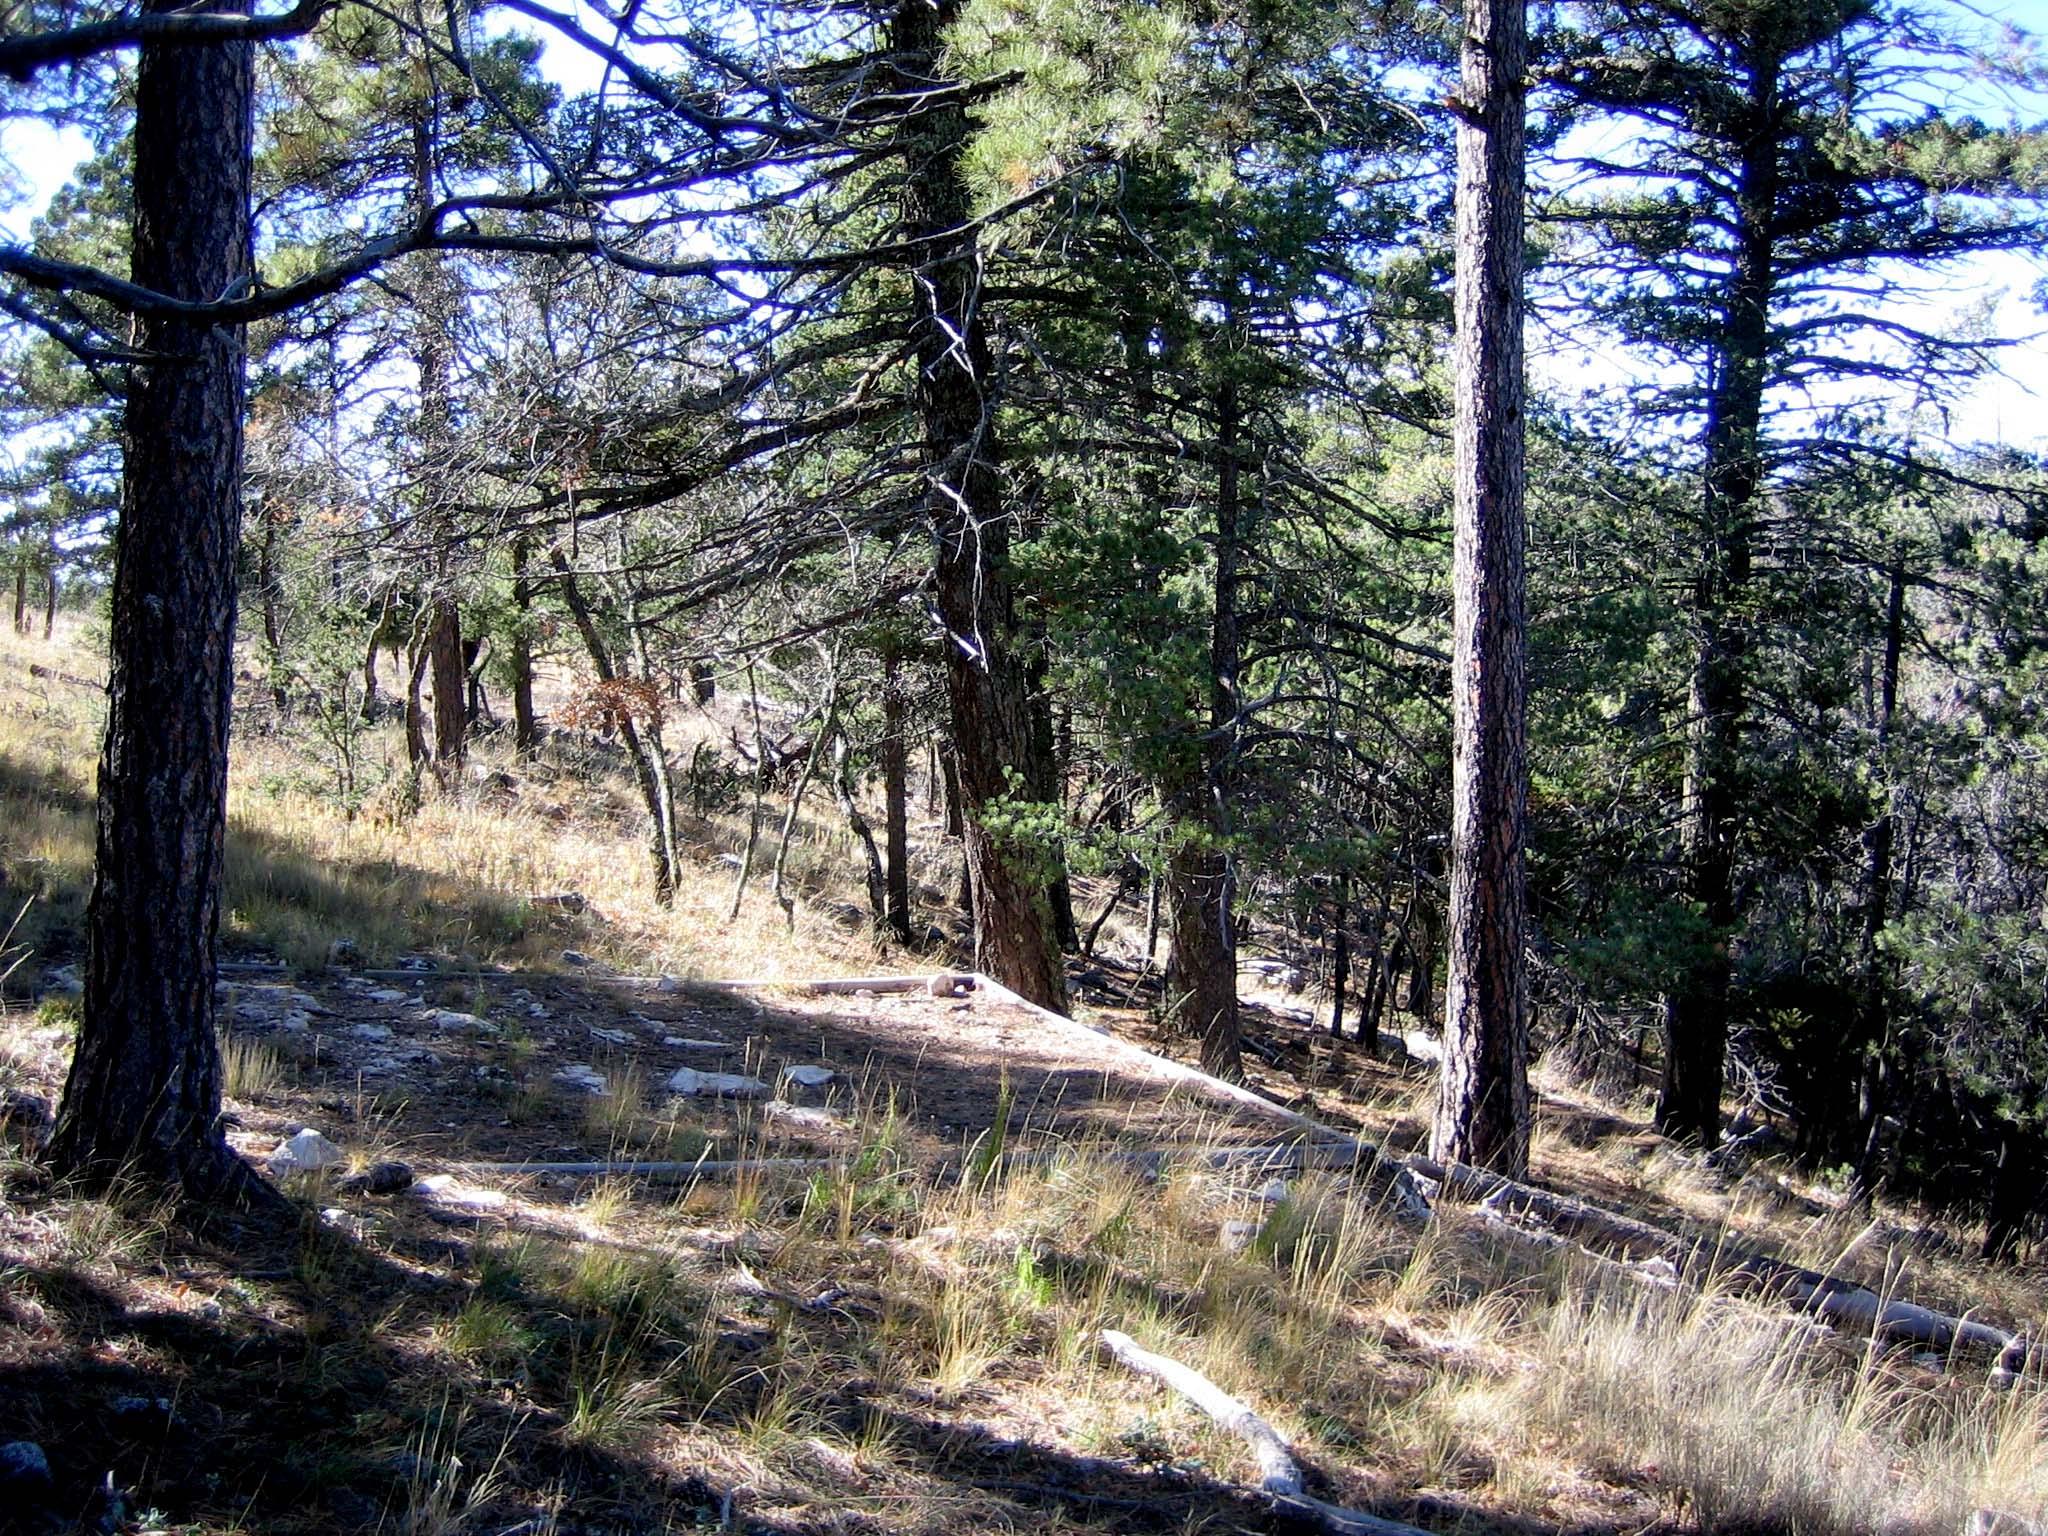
(871, 1298)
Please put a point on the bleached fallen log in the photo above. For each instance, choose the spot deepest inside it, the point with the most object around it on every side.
(1841, 1303)
(656, 1171)
(1279, 1473)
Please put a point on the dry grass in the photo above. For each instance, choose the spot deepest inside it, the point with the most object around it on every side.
(839, 1352)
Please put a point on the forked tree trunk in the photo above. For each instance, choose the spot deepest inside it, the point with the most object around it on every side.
(143, 1095)
(1482, 1114)
(985, 683)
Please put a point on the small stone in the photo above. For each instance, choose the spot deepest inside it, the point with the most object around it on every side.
(685, 1043)
(442, 1189)
(586, 1079)
(692, 1084)
(457, 1021)
(305, 1152)
(371, 1032)
(388, 995)
(611, 1036)
(1274, 1191)
(668, 984)
(808, 1116)
(1236, 1236)
(863, 991)
(574, 957)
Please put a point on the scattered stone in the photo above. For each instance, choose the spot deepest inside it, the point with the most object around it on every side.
(863, 991)
(304, 1152)
(612, 1036)
(388, 995)
(806, 1084)
(536, 1011)
(684, 1043)
(382, 1178)
(371, 1032)
(586, 1079)
(668, 984)
(574, 957)
(949, 984)
(692, 1084)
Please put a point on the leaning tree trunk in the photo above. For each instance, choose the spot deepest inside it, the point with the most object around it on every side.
(1696, 1012)
(1482, 1113)
(143, 1096)
(985, 683)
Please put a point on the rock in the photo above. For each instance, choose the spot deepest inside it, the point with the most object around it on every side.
(808, 1116)
(949, 984)
(1236, 1236)
(381, 1178)
(806, 1084)
(304, 1152)
(18, 1107)
(370, 1032)
(388, 995)
(24, 1472)
(692, 1084)
(574, 957)
(585, 1079)
(684, 1043)
(133, 1408)
(442, 1189)
(668, 984)
(611, 1036)
(63, 979)
(455, 1021)
(1274, 1191)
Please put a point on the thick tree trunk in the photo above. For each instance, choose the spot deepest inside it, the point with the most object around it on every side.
(143, 1096)
(991, 707)
(1201, 962)
(451, 686)
(895, 756)
(525, 725)
(1696, 1013)
(1482, 1114)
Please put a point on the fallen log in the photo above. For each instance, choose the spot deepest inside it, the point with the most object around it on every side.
(1279, 1473)
(1841, 1303)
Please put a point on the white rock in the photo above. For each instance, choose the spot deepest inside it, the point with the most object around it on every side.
(612, 1036)
(668, 984)
(808, 1077)
(442, 1189)
(454, 1020)
(305, 1151)
(586, 1078)
(808, 1116)
(684, 1043)
(692, 1084)
(387, 995)
(1274, 1191)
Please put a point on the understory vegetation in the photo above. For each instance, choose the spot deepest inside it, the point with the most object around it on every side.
(888, 1341)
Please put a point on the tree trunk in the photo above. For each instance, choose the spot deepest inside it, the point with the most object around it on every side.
(525, 726)
(1201, 961)
(1696, 1013)
(50, 591)
(273, 626)
(21, 594)
(895, 756)
(451, 686)
(1872, 1034)
(1013, 937)
(1340, 956)
(1482, 1114)
(143, 1095)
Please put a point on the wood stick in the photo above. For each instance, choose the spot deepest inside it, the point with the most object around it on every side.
(1279, 1473)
